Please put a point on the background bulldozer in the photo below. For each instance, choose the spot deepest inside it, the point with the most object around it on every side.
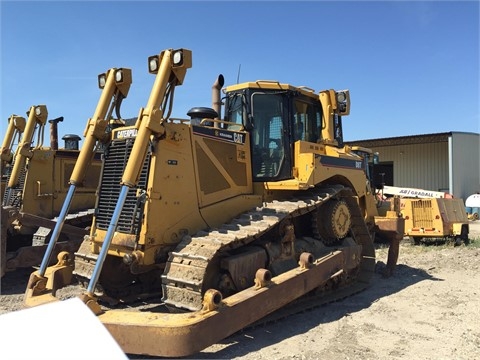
(36, 180)
(219, 220)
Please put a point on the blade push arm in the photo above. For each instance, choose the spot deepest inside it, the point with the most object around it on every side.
(115, 84)
(16, 125)
(170, 68)
(36, 115)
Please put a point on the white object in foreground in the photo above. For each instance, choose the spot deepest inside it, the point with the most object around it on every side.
(60, 330)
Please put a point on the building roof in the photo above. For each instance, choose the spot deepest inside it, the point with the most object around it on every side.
(405, 140)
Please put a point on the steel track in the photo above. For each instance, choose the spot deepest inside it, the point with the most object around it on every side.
(187, 267)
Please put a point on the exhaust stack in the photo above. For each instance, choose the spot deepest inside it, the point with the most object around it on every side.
(216, 98)
(54, 132)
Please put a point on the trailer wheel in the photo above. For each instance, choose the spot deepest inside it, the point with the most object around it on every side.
(464, 234)
(416, 240)
(457, 241)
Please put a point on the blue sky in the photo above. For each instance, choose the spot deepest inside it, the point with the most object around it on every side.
(411, 67)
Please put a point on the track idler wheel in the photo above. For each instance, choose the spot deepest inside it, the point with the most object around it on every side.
(332, 221)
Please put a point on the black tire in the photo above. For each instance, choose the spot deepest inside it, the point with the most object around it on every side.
(416, 240)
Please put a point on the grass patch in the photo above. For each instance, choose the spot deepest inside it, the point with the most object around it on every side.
(474, 242)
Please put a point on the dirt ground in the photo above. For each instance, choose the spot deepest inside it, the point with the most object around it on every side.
(429, 309)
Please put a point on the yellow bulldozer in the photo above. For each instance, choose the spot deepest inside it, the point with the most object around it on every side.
(218, 220)
(36, 180)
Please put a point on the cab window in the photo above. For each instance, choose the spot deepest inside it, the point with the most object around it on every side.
(307, 121)
(267, 134)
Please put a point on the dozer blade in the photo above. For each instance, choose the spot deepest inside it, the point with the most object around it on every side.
(175, 335)
(42, 289)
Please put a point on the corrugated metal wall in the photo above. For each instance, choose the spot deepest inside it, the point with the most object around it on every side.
(423, 166)
(441, 162)
(465, 164)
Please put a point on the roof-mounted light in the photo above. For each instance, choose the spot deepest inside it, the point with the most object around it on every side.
(119, 76)
(102, 80)
(178, 58)
(341, 97)
(38, 111)
(153, 63)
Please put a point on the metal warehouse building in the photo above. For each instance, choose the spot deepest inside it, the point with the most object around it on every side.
(447, 162)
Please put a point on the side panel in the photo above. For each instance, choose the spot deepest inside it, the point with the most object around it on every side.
(316, 163)
(172, 207)
(340, 165)
(46, 183)
(223, 174)
(85, 194)
(38, 190)
(453, 210)
(223, 164)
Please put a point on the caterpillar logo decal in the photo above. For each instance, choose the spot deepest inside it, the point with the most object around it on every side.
(339, 162)
(127, 133)
(220, 134)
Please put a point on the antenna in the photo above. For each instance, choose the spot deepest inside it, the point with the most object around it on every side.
(238, 74)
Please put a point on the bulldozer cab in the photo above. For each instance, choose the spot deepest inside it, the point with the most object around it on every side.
(276, 115)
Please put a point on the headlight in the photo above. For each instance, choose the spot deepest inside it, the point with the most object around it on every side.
(153, 63)
(102, 80)
(177, 58)
(341, 97)
(38, 111)
(119, 76)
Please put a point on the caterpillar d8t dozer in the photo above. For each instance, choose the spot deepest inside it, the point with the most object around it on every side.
(218, 220)
(38, 183)
(36, 179)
